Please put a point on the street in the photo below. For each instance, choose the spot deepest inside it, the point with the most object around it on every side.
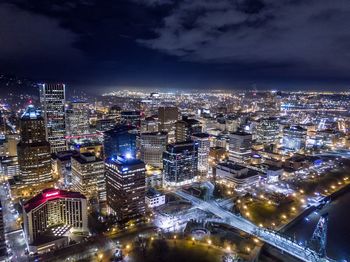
(13, 232)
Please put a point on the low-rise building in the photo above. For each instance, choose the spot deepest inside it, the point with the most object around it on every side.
(274, 173)
(154, 198)
(237, 176)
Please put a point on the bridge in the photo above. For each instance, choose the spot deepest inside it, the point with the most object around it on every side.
(268, 236)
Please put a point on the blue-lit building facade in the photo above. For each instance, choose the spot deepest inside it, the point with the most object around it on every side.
(180, 163)
(120, 140)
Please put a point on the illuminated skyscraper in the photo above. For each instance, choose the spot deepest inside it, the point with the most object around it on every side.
(77, 119)
(126, 187)
(34, 155)
(240, 146)
(149, 124)
(167, 117)
(202, 139)
(88, 176)
(267, 130)
(180, 163)
(131, 118)
(52, 98)
(185, 128)
(152, 146)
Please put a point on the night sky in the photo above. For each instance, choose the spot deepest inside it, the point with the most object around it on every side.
(103, 44)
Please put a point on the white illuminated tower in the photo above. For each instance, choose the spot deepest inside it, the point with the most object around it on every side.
(202, 139)
(52, 99)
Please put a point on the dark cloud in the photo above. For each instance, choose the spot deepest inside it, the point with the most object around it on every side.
(194, 43)
(309, 34)
(35, 41)
(154, 2)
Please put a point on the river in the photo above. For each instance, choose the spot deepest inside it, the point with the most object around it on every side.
(338, 233)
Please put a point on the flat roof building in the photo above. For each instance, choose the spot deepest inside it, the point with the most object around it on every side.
(88, 176)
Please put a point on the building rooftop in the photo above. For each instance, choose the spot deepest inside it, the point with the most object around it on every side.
(45, 239)
(240, 133)
(232, 166)
(296, 128)
(153, 193)
(86, 157)
(64, 155)
(180, 146)
(124, 160)
(130, 113)
(201, 135)
(31, 113)
(119, 129)
(160, 133)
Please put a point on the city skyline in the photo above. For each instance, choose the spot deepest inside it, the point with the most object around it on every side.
(100, 46)
(174, 130)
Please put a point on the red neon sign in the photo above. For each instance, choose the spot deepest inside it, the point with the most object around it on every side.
(52, 194)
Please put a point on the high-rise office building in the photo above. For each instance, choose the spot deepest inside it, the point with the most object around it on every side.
(167, 117)
(240, 144)
(267, 130)
(105, 124)
(180, 163)
(202, 139)
(152, 146)
(91, 144)
(52, 99)
(11, 143)
(121, 140)
(114, 113)
(34, 157)
(294, 138)
(131, 118)
(54, 207)
(185, 128)
(126, 187)
(62, 166)
(88, 176)
(77, 119)
(149, 124)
